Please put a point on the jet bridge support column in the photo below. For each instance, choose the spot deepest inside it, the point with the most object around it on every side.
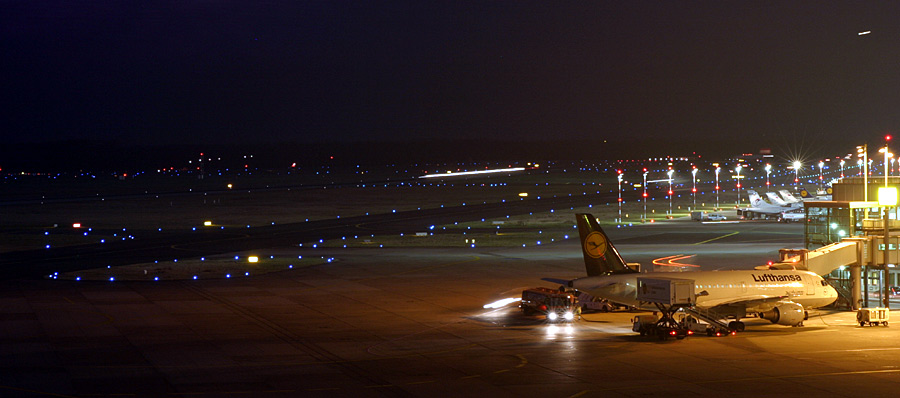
(856, 278)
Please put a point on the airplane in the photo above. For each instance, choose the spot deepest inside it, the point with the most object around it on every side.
(776, 200)
(780, 296)
(819, 195)
(758, 205)
(789, 197)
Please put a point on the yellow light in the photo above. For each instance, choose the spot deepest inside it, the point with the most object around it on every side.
(229, 186)
(207, 223)
(887, 196)
(253, 259)
(523, 194)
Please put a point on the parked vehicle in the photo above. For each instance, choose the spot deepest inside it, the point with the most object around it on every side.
(556, 305)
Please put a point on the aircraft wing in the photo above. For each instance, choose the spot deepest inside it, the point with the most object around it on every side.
(564, 282)
(749, 301)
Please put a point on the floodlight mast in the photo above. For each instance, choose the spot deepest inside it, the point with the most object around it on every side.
(718, 169)
(670, 172)
(645, 196)
(821, 176)
(619, 177)
(694, 181)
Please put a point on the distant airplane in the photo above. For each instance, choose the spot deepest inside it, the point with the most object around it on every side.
(776, 200)
(780, 296)
(758, 205)
(789, 197)
(821, 195)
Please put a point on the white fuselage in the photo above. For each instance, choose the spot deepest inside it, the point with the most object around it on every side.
(757, 204)
(754, 291)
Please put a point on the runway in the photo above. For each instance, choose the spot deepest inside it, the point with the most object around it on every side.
(411, 322)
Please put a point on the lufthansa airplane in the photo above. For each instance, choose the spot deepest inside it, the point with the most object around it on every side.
(780, 296)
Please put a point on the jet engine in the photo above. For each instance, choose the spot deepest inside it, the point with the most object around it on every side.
(785, 313)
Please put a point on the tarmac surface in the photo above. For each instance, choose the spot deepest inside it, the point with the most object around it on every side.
(411, 322)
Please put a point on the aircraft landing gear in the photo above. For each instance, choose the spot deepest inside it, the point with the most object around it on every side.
(737, 326)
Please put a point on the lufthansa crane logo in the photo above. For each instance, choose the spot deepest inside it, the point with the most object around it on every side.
(595, 244)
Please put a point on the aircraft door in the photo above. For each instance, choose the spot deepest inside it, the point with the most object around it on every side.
(810, 283)
(743, 287)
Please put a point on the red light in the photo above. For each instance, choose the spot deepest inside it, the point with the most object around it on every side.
(672, 333)
(693, 189)
(670, 192)
(246, 166)
(739, 185)
(619, 171)
(887, 137)
(620, 199)
(717, 187)
(293, 164)
(645, 194)
(690, 332)
(201, 153)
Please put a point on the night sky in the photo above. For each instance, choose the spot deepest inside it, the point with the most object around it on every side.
(304, 71)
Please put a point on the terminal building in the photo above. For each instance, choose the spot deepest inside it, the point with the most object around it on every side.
(845, 236)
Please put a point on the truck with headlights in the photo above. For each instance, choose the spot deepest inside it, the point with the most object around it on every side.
(555, 305)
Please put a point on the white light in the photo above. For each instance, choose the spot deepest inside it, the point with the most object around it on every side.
(569, 316)
(502, 302)
(552, 316)
(463, 173)
(864, 33)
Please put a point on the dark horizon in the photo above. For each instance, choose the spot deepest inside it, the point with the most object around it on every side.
(113, 155)
(247, 73)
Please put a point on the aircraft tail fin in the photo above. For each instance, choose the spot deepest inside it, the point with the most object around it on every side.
(755, 199)
(600, 256)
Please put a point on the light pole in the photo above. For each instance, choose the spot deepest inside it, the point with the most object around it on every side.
(842, 170)
(863, 152)
(694, 181)
(821, 176)
(797, 166)
(619, 177)
(645, 196)
(738, 170)
(670, 172)
(887, 155)
(768, 170)
(718, 169)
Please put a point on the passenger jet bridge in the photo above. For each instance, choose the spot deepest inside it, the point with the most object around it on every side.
(857, 253)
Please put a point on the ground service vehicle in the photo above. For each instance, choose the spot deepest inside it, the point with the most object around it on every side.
(873, 316)
(591, 303)
(792, 216)
(554, 304)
